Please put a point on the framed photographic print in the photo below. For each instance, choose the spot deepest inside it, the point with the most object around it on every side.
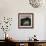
(25, 20)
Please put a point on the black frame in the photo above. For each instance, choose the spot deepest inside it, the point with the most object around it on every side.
(24, 14)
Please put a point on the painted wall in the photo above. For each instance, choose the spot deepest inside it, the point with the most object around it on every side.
(11, 8)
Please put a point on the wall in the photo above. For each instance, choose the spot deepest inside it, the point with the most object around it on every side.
(11, 8)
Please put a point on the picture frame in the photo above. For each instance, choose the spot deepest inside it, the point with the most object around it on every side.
(25, 20)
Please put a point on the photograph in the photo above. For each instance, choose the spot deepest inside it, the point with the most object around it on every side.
(25, 20)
